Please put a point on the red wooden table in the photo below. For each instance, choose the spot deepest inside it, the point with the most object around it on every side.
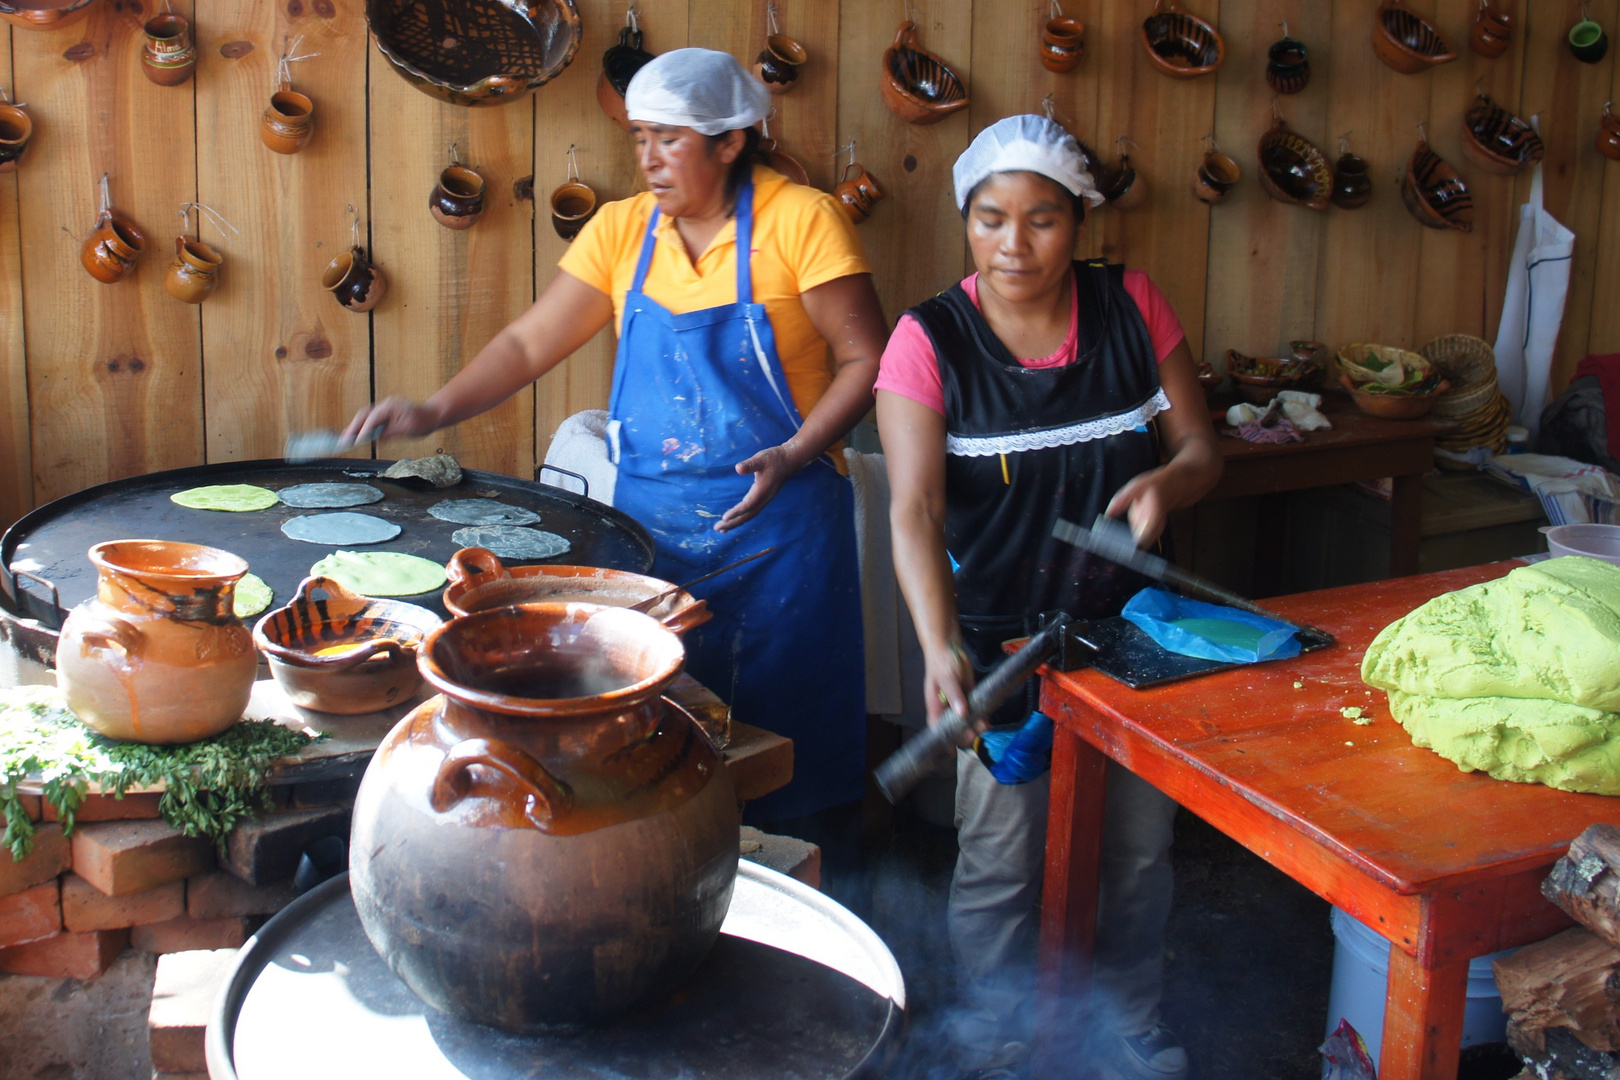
(1445, 864)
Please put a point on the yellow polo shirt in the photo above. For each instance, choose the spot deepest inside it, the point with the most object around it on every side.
(801, 239)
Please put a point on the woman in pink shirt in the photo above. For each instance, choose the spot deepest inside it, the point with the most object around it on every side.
(1038, 388)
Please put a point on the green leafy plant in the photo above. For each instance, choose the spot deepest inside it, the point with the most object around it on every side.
(208, 786)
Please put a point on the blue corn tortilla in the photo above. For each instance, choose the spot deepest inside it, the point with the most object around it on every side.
(483, 512)
(338, 529)
(329, 496)
(509, 542)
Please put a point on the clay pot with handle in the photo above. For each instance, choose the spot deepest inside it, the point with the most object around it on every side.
(194, 274)
(109, 253)
(158, 656)
(569, 834)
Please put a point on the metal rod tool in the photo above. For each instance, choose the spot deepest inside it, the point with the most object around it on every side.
(320, 443)
(658, 598)
(915, 758)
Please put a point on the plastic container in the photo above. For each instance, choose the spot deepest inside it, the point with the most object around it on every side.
(1596, 541)
(1518, 440)
(1361, 979)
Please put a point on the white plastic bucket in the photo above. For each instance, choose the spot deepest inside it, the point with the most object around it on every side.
(1361, 982)
(1596, 541)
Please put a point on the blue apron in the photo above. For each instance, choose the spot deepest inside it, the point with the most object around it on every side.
(693, 395)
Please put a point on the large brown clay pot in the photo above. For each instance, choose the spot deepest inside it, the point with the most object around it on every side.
(158, 656)
(548, 842)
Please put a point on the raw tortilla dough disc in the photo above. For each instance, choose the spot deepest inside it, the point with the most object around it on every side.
(341, 528)
(381, 573)
(510, 542)
(329, 496)
(237, 497)
(251, 597)
(482, 512)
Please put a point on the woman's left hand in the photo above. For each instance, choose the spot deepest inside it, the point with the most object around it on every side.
(771, 467)
(1146, 503)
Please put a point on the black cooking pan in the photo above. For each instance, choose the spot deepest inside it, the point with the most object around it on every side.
(46, 548)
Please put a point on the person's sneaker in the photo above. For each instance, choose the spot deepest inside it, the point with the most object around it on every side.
(1155, 1054)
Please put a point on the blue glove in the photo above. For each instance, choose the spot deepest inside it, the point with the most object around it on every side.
(1017, 757)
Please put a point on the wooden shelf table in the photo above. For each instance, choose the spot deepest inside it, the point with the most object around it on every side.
(1444, 864)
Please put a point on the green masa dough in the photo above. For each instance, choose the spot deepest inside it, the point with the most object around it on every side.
(251, 597)
(236, 497)
(381, 573)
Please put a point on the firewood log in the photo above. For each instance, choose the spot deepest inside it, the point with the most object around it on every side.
(1572, 981)
(1563, 1057)
(1586, 882)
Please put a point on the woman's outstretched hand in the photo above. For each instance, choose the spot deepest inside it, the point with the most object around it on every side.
(771, 468)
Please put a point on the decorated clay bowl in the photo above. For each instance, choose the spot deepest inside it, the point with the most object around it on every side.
(1292, 170)
(1394, 406)
(917, 86)
(45, 15)
(1435, 194)
(475, 52)
(1407, 43)
(344, 653)
(1497, 141)
(1180, 45)
(480, 582)
(1258, 379)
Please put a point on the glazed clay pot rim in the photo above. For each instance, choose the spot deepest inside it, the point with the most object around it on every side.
(343, 264)
(1064, 30)
(208, 256)
(462, 182)
(787, 50)
(561, 200)
(176, 23)
(621, 699)
(1220, 170)
(126, 234)
(1288, 53)
(291, 97)
(13, 117)
(188, 562)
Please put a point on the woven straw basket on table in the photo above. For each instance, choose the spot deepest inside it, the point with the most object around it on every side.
(1474, 402)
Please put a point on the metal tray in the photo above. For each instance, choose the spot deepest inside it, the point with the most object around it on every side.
(51, 541)
(796, 986)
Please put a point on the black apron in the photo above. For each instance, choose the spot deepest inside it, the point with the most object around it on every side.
(1025, 447)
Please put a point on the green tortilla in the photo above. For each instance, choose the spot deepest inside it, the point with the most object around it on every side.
(381, 573)
(252, 596)
(235, 497)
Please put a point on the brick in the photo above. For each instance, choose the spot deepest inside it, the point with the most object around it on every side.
(182, 997)
(223, 896)
(66, 956)
(187, 935)
(120, 857)
(266, 850)
(85, 907)
(132, 807)
(325, 793)
(32, 806)
(52, 854)
(31, 914)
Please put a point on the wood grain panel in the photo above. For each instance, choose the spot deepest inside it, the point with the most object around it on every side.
(567, 113)
(114, 373)
(1267, 254)
(280, 354)
(1604, 334)
(450, 291)
(16, 479)
(807, 115)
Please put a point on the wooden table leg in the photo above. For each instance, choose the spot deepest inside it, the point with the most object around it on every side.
(1423, 1019)
(1405, 525)
(1073, 857)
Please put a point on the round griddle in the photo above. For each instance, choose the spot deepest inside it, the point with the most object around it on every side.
(796, 986)
(51, 542)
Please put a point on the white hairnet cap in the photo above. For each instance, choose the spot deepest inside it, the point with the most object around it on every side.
(702, 89)
(1024, 144)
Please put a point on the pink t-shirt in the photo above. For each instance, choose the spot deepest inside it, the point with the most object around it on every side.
(910, 368)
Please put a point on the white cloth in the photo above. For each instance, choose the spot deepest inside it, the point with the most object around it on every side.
(1533, 308)
(880, 591)
(702, 89)
(1298, 407)
(1024, 144)
(580, 445)
(1571, 492)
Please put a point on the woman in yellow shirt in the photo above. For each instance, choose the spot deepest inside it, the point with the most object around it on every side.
(728, 284)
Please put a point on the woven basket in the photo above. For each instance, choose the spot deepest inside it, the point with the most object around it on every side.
(1470, 364)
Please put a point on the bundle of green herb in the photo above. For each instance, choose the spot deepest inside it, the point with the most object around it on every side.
(208, 786)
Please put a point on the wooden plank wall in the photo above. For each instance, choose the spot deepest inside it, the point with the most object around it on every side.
(99, 382)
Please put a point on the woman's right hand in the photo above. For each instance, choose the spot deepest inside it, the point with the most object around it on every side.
(396, 416)
(947, 678)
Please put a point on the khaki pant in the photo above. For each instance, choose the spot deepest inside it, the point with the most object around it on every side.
(1001, 831)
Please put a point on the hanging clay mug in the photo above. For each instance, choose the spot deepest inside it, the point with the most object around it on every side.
(169, 55)
(1608, 136)
(1492, 31)
(16, 129)
(857, 192)
(192, 276)
(1063, 43)
(1288, 67)
(288, 121)
(1215, 177)
(1588, 42)
(572, 205)
(619, 65)
(110, 252)
(457, 200)
(777, 65)
(353, 281)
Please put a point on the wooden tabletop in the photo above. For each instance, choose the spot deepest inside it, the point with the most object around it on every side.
(1403, 815)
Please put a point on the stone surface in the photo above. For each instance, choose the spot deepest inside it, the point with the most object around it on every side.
(120, 857)
(182, 997)
(51, 855)
(85, 907)
(188, 935)
(134, 807)
(798, 859)
(30, 914)
(64, 1029)
(266, 850)
(65, 955)
(224, 896)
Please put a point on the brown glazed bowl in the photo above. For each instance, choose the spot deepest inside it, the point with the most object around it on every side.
(917, 86)
(1292, 170)
(479, 582)
(1180, 45)
(1497, 141)
(1352, 182)
(1394, 406)
(475, 52)
(1435, 194)
(1258, 379)
(45, 15)
(344, 653)
(1406, 42)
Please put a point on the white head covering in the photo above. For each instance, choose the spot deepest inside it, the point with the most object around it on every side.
(702, 89)
(1024, 144)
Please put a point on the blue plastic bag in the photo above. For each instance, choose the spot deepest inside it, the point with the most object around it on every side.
(1210, 631)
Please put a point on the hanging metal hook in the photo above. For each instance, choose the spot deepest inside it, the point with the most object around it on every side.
(1344, 143)
(1285, 28)
(6, 98)
(106, 200)
(770, 16)
(354, 227)
(1276, 113)
(911, 12)
(631, 20)
(1057, 10)
(455, 158)
(1423, 131)
(283, 76)
(214, 215)
(573, 164)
